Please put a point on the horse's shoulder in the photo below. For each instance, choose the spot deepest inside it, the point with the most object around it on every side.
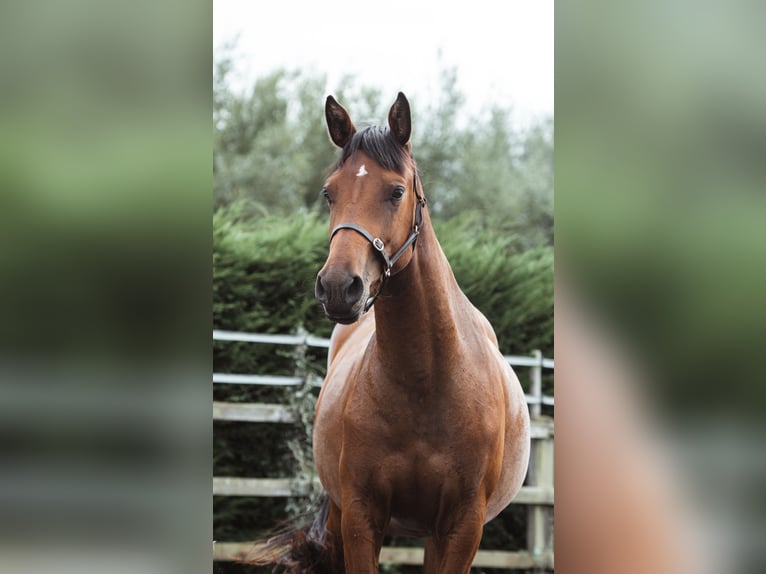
(479, 322)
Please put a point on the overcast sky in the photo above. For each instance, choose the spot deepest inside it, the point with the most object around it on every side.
(503, 51)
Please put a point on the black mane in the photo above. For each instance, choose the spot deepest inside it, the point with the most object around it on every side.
(380, 145)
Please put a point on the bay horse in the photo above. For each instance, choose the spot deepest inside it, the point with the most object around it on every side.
(422, 428)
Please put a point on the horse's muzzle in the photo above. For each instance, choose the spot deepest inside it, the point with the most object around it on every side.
(342, 295)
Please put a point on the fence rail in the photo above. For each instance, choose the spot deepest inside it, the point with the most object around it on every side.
(536, 361)
(277, 413)
(538, 493)
(320, 342)
(279, 487)
(299, 339)
(253, 412)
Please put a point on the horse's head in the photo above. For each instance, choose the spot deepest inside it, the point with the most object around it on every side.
(375, 210)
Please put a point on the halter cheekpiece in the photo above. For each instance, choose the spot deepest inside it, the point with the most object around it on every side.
(379, 246)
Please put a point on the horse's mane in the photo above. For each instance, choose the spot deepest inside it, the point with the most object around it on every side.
(380, 145)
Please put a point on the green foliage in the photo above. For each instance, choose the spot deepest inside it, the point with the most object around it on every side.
(263, 276)
(483, 165)
(269, 145)
(264, 270)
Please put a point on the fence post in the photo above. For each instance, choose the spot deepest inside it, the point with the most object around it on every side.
(539, 523)
(302, 403)
(539, 517)
(536, 388)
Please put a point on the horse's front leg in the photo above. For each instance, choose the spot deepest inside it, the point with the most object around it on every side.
(363, 525)
(335, 535)
(452, 548)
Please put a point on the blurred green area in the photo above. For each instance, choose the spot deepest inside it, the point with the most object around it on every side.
(105, 177)
(105, 174)
(660, 180)
(660, 209)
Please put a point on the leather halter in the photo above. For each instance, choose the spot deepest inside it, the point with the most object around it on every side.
(379, 246)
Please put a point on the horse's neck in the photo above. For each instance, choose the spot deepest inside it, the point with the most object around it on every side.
(415, 315)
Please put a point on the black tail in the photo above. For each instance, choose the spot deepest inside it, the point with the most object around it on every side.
(304, 547)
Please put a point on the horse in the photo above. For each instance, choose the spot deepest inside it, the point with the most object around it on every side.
(421, 426)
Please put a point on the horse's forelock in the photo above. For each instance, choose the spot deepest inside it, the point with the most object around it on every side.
(378, 143)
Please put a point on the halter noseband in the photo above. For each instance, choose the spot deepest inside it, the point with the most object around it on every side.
(379, 246)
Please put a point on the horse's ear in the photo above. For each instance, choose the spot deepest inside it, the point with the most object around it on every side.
(339, 123)
(399, 120)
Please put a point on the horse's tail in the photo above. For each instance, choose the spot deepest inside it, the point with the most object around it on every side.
(303, 547)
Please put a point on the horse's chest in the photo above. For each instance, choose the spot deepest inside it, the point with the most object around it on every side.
(416, 445)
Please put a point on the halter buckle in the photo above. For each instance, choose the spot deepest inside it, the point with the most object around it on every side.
(377, 243)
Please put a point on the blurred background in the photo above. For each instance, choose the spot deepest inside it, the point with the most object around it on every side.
(105, 178)
(660, 178)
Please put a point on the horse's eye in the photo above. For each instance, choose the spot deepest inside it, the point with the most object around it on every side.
(326, 195)
(397, 194)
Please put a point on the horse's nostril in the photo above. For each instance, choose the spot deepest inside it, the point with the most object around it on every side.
(338, 290)
(319, 290)
(354, 291)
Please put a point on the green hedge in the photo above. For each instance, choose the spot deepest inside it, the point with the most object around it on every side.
(264, 270)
